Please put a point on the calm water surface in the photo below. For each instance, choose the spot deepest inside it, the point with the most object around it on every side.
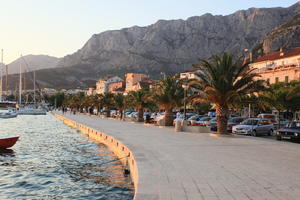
(53, 161)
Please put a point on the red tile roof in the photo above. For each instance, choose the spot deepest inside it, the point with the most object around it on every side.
(276, 55)
(189, 71)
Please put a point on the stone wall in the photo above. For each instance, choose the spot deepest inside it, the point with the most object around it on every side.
(121, 151)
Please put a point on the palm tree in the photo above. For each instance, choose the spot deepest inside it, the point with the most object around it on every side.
(282, 97)
(295, 92)
(99, 101)
(139, 100)
(119, 103)
(107, 101)
(77, 101)
(223, 82)
(168, 94)
(275, 98)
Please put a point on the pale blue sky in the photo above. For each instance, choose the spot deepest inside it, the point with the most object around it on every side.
(60, 27)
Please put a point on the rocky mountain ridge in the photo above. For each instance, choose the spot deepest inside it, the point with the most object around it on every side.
(168, 46)
(32, 63)
(285, 36)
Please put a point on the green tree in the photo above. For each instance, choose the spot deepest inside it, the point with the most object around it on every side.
(139, 100)
(99, 101)
(57, 99)
(168, 94)
(281, 96)
(223, 81)
(75, 102)
(119, 103)
(201, 108)
(107, 101)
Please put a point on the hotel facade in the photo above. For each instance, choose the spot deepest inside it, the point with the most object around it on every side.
(280, 66)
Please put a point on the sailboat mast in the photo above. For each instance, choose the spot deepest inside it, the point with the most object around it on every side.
(1, 75)
(6, 80)
(33, 87)
(20, 83)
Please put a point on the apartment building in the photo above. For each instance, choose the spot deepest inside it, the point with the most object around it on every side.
(280, 66)
(132, 79)
(102, 85)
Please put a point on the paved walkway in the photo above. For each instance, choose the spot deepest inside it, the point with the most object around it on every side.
(198, 166)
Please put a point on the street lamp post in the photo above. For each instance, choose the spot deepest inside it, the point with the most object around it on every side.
(185, 87)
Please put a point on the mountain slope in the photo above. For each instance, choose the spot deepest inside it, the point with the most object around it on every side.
(166, 46)
(32, 62)
(171, 46)
(285, 36)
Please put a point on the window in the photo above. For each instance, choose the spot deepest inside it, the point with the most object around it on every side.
(265, 122)
(276, 79)
(286, 79)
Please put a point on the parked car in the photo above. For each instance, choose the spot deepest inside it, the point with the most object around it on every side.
(193, 119)
(291, 131)
(133, 115)
(158, 116)
(203, 121)
(231, 122)
(213, 124)
(283, 122)
(181, 117)
(113, 113)
(271, 117)
(128, 112)
(254, 127)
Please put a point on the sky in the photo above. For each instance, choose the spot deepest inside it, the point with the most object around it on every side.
(61, 27)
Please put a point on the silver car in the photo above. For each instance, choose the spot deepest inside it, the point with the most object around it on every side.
(254, 127)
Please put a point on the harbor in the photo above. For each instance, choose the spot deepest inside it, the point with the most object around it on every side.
(150, 100)
(53, 161)
(180, 165)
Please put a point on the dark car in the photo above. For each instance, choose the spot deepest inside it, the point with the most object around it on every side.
(291, 131)
(231, 122)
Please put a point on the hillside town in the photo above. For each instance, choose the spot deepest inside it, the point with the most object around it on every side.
(173, 106)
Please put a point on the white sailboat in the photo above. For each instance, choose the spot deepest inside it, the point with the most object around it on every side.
(10, 113)
(27, 110)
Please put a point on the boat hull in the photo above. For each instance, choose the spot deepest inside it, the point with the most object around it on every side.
(31, 112)
(8, 142)
(8, 115)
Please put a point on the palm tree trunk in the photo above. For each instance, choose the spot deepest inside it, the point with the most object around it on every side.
(107, 113)
(222, 119)
(140, 115)
(169, 117)
(121, 114)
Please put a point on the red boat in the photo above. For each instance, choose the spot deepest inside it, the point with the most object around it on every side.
(8, 142)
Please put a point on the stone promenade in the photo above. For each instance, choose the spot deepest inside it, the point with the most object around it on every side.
(181, 166)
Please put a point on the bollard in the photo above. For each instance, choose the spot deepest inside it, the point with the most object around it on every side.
(178, 125)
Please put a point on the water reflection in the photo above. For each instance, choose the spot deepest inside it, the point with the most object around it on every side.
(6, 152)
(52, 161)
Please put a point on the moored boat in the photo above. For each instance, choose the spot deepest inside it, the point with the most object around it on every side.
(8, 142)
(31, 111)
(7, 115)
